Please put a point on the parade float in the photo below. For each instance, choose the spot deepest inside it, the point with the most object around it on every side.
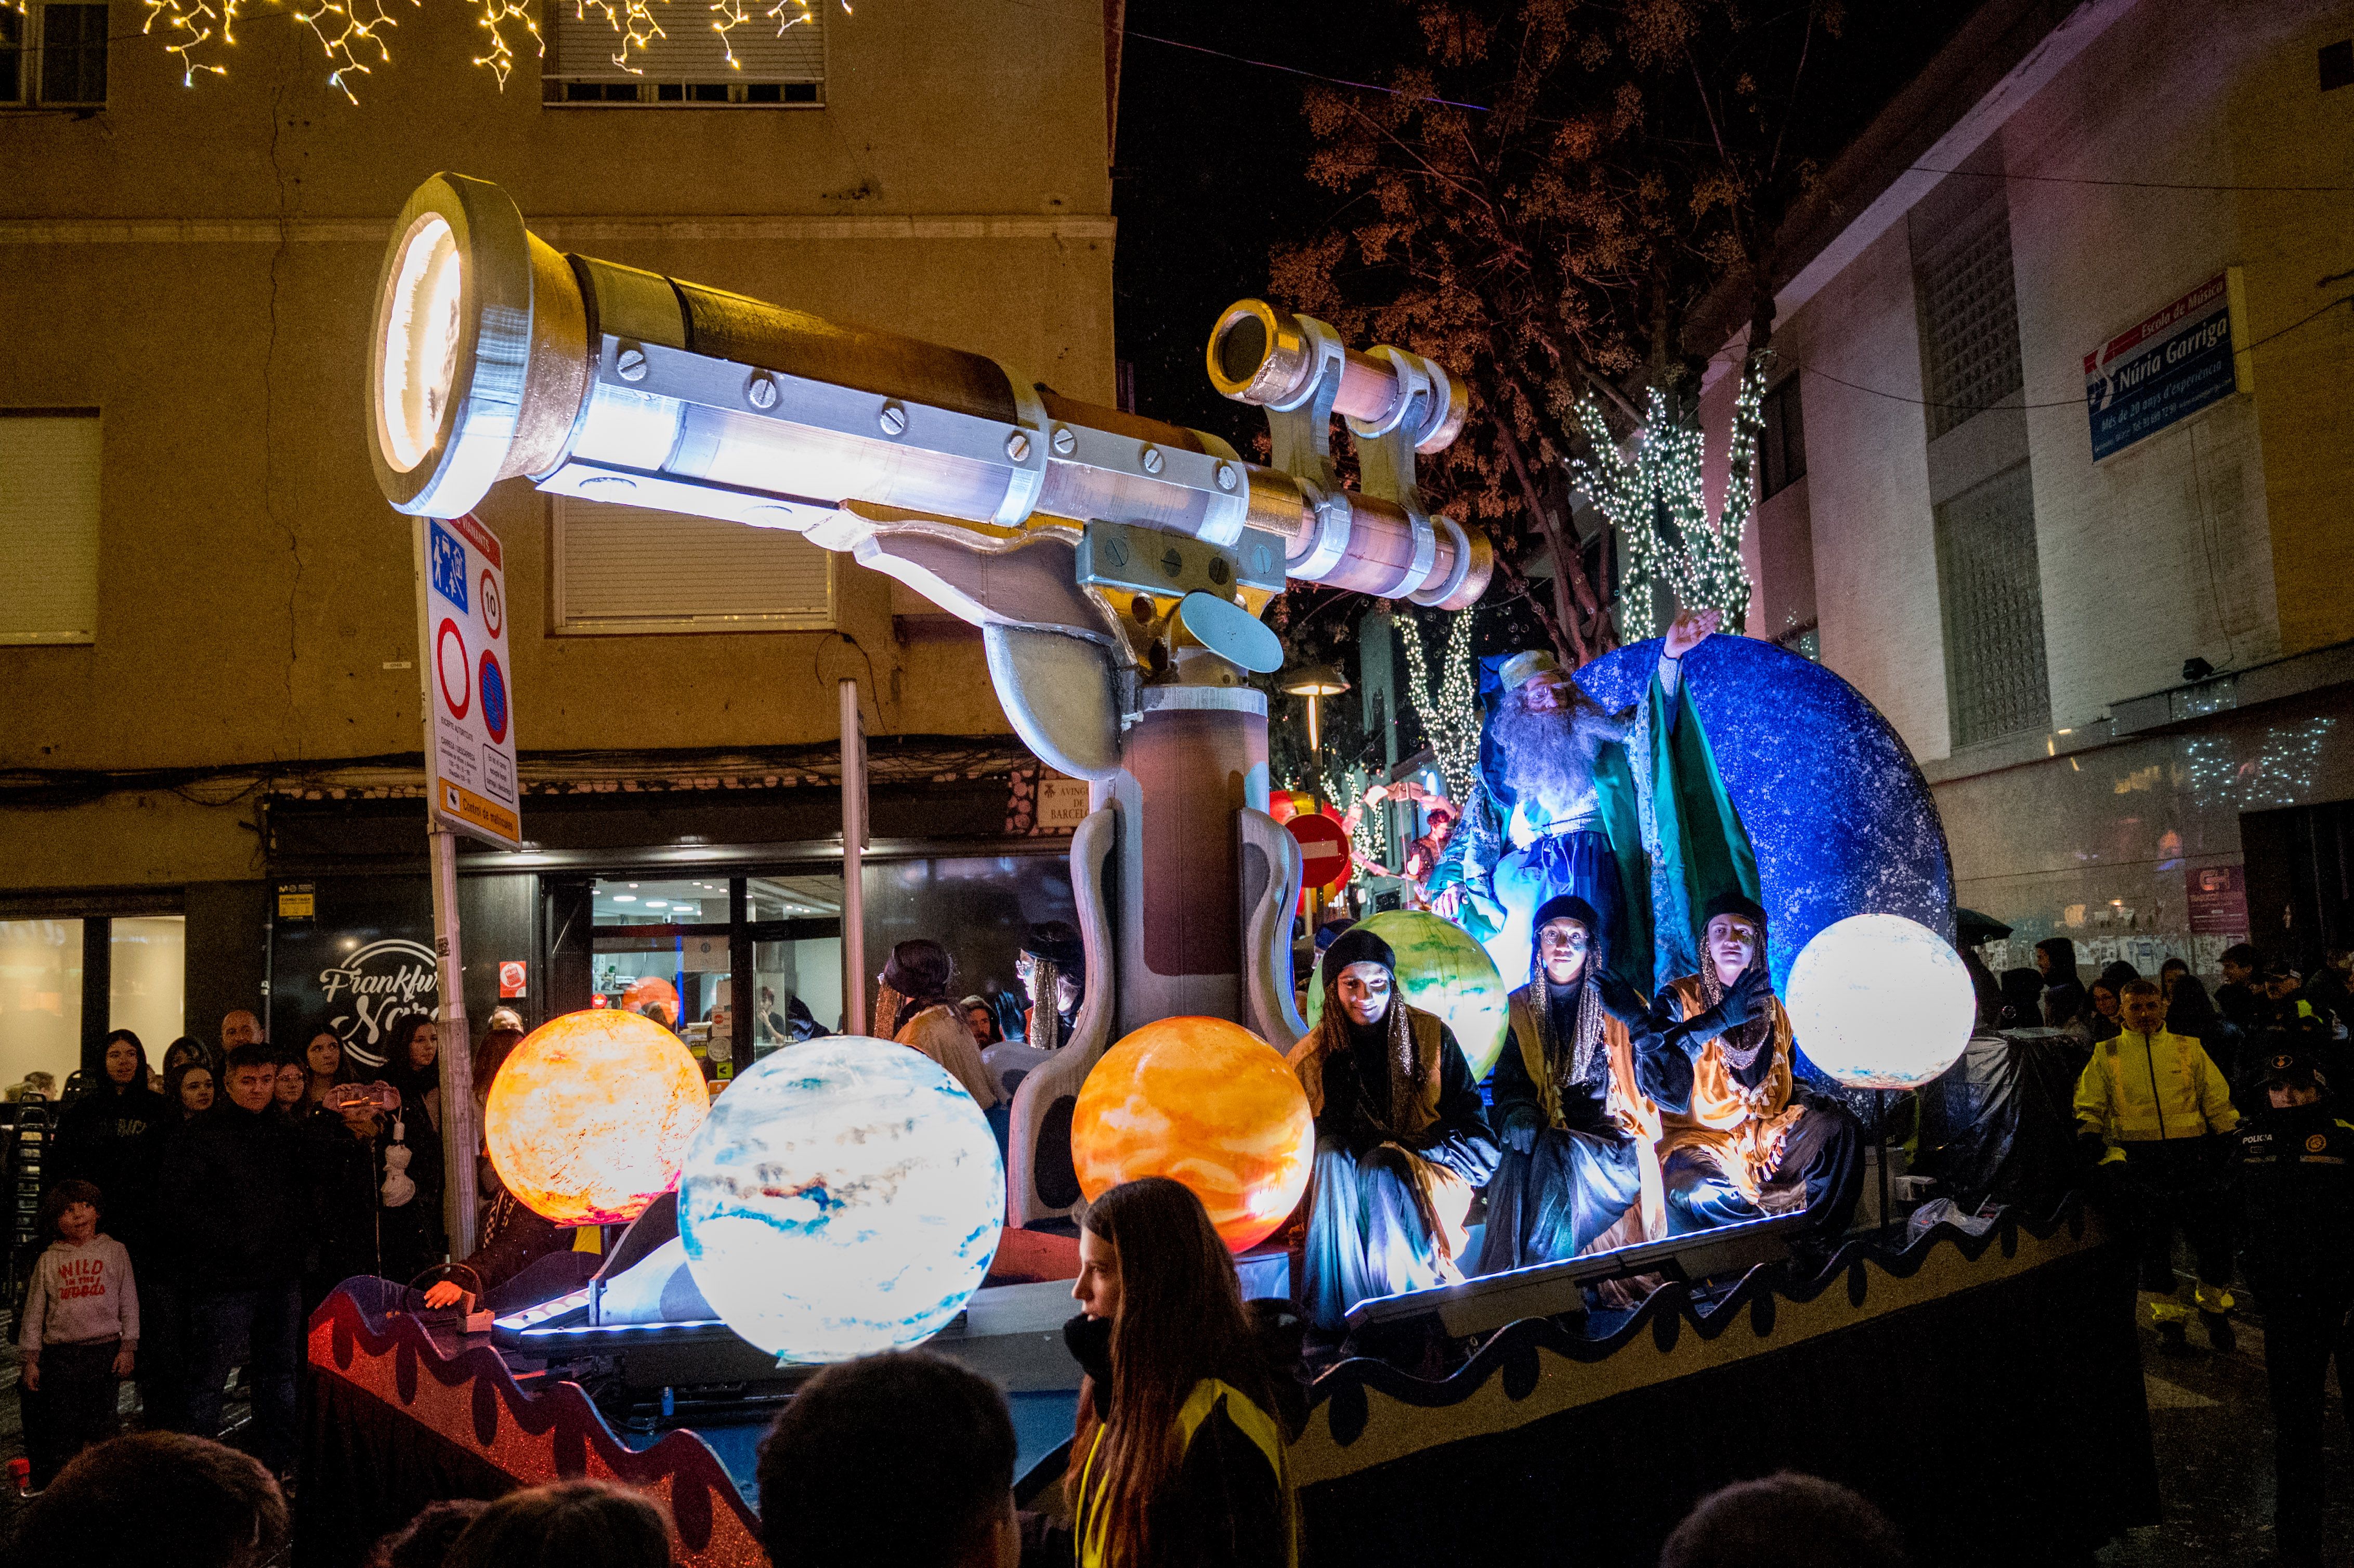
(1981, 1381)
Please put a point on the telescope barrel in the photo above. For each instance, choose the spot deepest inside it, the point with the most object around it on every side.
(1262, 355)
(495, 356)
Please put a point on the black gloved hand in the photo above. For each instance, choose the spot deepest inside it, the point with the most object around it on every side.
(1745, 998)
(1622, 1001)
(1521, 1128)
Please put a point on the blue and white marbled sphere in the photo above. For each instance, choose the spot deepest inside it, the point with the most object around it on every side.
(844, 1197)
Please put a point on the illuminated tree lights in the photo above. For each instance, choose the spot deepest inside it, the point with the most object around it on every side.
(354, 35)
(1653, 499)
(1450, 715)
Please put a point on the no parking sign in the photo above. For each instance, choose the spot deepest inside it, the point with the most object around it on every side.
(470, 754)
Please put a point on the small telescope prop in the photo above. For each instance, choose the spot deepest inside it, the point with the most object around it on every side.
(1116, 566)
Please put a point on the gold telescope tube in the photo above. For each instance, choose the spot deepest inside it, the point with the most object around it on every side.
(496, 356)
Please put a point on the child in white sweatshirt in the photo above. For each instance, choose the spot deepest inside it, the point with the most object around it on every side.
(80, 1332)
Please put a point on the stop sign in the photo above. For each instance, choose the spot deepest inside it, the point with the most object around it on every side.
(1323, 851)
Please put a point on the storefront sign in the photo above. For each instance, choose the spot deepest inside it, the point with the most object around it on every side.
(1062, 802)
(2164, 368)
(2218, 901)
(363, 961)
(470, 751)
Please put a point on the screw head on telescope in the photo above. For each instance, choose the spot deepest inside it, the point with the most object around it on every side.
(761, 392)
(629, 362)
(893, 419)
(1017, 446)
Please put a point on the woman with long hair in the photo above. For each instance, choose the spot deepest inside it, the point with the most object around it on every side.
(1178, 1458)
(325, 1066)
(412, 1064)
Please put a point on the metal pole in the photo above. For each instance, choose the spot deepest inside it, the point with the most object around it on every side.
(459, 1136)
(854, 841)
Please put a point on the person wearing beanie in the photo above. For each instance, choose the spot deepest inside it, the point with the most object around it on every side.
(1401, 1139)
(1576, 1103)
(912, 1006)
(2064, 999)
(1749, 1141)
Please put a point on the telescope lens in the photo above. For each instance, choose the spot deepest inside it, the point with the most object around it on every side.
(420, 342)
(1242, 348)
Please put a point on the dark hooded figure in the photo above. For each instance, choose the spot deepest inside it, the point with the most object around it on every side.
(1750, 1141)
(2064, 1001)
(2022, 1000)
(1400, 1139)
(1575, 1102)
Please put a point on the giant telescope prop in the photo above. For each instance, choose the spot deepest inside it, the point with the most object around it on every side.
(1116, 565)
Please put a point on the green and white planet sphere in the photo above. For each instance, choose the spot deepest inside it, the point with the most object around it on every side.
(1440, 969)
(843, 1197)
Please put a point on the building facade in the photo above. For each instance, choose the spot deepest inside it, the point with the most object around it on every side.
(2057, 459)
(208, 773)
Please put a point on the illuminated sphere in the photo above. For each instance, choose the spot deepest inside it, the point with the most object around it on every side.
(652, 990)
(844, 1197)
(1440, 969)
(1880, 1002)
(589, 1115)
(1206, 1103)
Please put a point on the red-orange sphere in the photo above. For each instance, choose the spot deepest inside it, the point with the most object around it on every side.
(1206, 1103)
(591, 1114)
(653, 991)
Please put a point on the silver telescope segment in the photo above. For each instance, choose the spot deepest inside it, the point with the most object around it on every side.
(495, 356)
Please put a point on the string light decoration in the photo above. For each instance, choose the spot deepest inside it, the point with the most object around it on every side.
(1367, 835)
(355, 34)
(1654, 500)
(1450, 715)
(2280, 774)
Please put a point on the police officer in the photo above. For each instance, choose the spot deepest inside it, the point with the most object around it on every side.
(2295, 1160)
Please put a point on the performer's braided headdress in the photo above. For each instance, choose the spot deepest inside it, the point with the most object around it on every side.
(1741, 1045)
(1055, 951)
(1409, 1076)
(1569, 1060)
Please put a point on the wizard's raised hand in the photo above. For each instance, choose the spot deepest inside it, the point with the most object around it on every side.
(1746, 996)
(1691, 628)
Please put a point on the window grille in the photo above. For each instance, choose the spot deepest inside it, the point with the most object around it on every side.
(1992, 598)
(685, 65)
(1969, 318)
(622, 569)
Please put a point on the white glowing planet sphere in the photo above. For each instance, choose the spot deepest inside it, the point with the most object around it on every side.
(1880, 1002)
(843, 1197)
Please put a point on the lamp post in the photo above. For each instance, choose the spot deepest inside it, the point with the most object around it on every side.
(1314, 683)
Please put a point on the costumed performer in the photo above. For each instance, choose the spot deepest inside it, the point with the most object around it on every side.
(913, 1008)
(1400, 1139)
(1751, 1140)
(1576, 1103)
(1053, 968)
(1575, 800)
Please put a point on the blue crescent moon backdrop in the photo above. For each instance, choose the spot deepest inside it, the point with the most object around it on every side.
(1842, 821)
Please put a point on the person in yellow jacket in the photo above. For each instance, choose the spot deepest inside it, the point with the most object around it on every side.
(2155, 1106)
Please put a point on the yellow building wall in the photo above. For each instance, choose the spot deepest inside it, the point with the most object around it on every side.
(199, 264)
(2284, 132)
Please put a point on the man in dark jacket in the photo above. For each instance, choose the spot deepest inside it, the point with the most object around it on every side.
(235, 1201)
(2295, 1160)
(2064, 993)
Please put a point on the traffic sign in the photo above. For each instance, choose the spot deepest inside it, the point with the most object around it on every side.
(1323, 851)
(470, 752)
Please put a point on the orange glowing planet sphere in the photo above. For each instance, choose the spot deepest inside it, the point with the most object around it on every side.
(590, 1116)
(651, 990)
(1206, 1103)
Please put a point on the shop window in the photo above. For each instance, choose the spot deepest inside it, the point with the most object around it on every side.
(147, 978)
(666, 949)
(757, 65)
(48, 522)
(1990, 589)
(41, 1000)
(631, 569)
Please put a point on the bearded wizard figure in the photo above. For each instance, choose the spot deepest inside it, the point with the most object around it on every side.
(1624, 810)
(1400, 1139)
(1748, 1141)
(1577, 1094)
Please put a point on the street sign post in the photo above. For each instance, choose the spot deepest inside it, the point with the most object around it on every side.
(470, 788)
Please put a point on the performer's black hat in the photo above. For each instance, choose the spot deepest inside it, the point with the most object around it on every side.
(1057, 942)
(1357, 947)
(1733, 903)
(919, 969)
(1568, 906)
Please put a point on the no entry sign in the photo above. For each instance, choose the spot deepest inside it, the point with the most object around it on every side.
(462, 626)
(1323, 851)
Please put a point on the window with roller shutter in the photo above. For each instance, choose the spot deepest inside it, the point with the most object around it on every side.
(48, 524)
(623, 570)
(673, 54)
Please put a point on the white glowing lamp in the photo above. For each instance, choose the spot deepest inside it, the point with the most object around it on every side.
(1880, 1002)
(844, 1197)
